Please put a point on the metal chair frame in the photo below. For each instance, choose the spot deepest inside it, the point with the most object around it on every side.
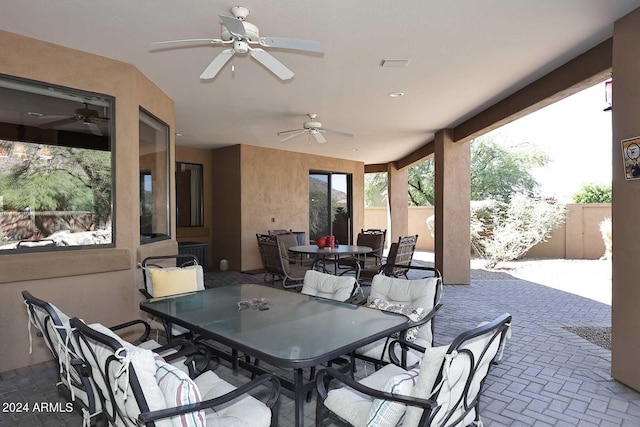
(497, 329)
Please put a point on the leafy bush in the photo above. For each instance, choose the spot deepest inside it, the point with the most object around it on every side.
(593, 193)
(605, 231)
(503, 231)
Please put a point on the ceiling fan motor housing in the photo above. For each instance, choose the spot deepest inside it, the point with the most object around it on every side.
(312, 125)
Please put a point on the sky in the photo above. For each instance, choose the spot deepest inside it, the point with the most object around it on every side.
(576, 134)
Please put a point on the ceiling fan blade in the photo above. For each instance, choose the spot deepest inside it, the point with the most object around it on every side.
(289, 131)
(217, 64)
(56, 123)
(292, 136)
(306, 45)
(319, 137)
(234, 25)
(275, 66)
(187, 41)
(337, 132)
(93, 128)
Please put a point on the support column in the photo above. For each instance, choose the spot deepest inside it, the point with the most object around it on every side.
(452, 208)
(397, 192)
(625, 268)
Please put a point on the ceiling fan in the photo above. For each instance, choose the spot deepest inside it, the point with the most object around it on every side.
(314, 129)
(242, 35)
(86, 116)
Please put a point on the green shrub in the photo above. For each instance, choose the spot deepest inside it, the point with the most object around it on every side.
(605, 231)
(593, 193)
(506, 231)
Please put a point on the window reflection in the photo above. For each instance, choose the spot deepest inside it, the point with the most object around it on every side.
(189, 194)
(55, 167)
(154, 178)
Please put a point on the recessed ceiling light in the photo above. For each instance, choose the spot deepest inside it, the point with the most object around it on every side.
(35, 114)
(396, 94)
(394, 63)
(178, 134)
(354, 149)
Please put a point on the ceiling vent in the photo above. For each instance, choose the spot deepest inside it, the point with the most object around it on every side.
(394, 63)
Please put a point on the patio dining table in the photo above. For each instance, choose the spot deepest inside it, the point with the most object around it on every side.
(321, 254)
(289, 331)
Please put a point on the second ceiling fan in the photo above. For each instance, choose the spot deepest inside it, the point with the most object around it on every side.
(314, 129)
(241, 36)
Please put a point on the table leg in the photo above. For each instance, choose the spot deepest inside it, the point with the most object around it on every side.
(299, 394)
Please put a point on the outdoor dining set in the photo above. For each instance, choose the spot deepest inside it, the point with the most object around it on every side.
(318, 334)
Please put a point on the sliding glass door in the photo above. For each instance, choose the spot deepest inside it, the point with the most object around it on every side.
(330, 206)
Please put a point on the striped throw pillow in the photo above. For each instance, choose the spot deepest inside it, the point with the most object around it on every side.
(179, 390)
(387, 413)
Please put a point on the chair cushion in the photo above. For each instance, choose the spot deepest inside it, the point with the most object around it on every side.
(244, 411)
(413, 313)
(453, 384)
(179, 390)
(353, 406)
(385, 413)
(417, 293)
(329, 286)
(143, 364)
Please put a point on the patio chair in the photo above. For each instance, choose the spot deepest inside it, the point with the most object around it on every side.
(293, 268)
(74, 382)
(445, 391)
(400, 254)
(329, 286)
(372, 238)
(138, 387)
(270, 255)
(166, 275)
(419, 299)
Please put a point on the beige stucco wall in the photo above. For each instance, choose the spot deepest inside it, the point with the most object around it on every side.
(417, 217)
(625, 354)
(98, 285)
(578, 238)
(271, 192)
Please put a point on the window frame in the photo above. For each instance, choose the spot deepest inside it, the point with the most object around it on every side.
(156, 237)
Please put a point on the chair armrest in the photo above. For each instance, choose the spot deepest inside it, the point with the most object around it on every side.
(357, 299)
(405, 345)
(427, 318)
(146, 294)
(147, 417)
(145, 334)
(325, 376)
(403, 338)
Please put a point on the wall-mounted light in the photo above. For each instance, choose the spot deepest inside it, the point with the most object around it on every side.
(608, 94)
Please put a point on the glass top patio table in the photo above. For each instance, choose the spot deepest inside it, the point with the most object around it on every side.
(297, 330)
(336, 251)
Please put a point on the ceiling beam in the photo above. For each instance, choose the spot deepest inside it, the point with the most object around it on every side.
(375, 168)
(584, 71)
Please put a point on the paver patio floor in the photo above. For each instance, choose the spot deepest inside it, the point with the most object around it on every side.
(548, 376)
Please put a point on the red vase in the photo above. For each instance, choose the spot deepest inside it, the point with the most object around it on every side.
(331, 241)
(321, 242)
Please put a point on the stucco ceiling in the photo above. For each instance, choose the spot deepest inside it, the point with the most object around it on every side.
(465, 55)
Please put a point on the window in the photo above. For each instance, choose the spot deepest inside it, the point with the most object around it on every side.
(154, 179)
(56, 167)
(189, 196)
